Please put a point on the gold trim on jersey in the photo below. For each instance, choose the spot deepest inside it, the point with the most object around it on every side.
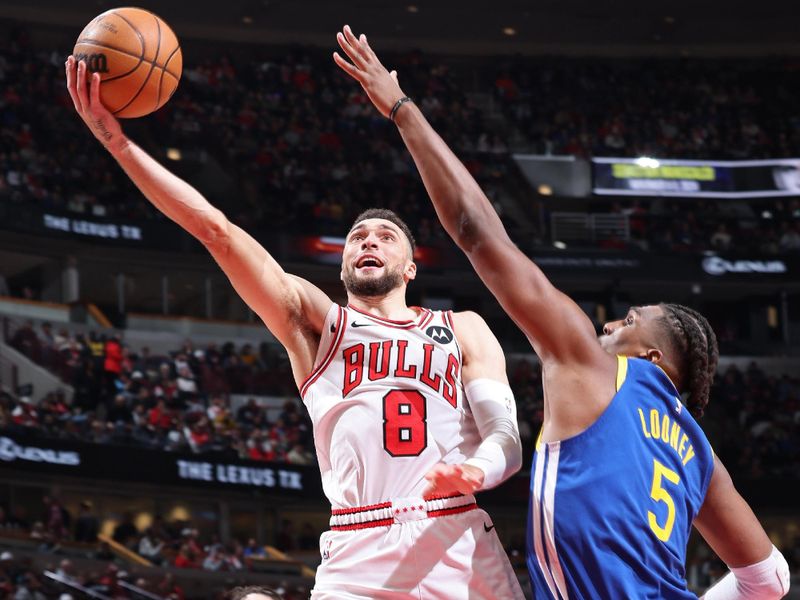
(622, 370)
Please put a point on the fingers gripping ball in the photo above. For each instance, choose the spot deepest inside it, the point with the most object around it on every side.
(138, 57)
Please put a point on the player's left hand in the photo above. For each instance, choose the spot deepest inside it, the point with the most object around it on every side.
(450, 479)
(381, 85)
(88, 105)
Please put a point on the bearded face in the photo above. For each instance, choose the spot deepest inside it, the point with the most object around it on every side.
(375, 260)
(372, 284)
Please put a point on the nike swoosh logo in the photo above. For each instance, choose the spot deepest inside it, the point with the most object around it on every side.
(488, 529)
(357, 324)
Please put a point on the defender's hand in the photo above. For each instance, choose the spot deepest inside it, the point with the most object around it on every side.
(450, 479)
(87, 103)
(380, 85)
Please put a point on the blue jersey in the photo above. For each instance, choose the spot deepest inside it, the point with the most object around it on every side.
(612, 507)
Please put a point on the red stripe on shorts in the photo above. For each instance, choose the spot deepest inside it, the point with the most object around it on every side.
(443, 512)
(360, 509)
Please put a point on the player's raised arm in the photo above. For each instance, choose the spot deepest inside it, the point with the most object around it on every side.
(556, 326)
(291, 308)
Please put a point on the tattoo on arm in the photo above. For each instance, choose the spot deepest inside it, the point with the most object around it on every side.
(101, 127)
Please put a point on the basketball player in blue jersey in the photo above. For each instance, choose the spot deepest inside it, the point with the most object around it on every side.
(621, 470)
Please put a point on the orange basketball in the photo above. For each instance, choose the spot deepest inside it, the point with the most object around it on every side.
(138, 58)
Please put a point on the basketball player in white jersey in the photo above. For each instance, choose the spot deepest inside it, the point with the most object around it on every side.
(411, 408)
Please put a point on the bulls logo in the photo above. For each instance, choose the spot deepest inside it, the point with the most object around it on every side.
(439, 334)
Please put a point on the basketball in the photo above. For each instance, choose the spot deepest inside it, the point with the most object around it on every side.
(138, 57)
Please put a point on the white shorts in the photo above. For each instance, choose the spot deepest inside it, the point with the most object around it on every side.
(451, 557)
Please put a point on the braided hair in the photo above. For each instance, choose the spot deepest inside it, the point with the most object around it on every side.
(698, 354)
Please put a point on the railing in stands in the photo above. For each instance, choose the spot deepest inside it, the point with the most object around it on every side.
(98, 315)
(275, 554)
(123, 552)
(595, 227)
(139, 591)
(73, 585)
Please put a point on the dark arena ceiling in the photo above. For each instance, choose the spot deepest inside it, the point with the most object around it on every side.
(565, 27)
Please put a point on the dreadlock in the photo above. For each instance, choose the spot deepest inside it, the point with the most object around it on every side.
(696, 344)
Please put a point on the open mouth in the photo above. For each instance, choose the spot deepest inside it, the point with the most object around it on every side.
(367, 261)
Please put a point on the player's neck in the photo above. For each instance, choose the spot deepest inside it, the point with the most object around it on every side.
(392, 306)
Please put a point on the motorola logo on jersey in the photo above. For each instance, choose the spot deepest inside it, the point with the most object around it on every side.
(439, 334)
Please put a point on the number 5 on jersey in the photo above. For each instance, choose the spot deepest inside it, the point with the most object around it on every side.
(405, 431)
(659, 494)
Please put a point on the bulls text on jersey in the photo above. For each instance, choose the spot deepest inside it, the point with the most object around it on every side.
(378, 360)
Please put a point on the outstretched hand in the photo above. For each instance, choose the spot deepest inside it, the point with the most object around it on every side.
(88, 105)
(444, 480)
(381, 85)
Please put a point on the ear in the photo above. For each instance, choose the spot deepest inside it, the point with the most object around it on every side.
(410, 271)
(653, 355)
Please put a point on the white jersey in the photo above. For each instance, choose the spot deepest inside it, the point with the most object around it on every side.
(387, 404)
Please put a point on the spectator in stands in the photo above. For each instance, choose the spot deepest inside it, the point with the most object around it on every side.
(108, 584)
(125, 532)
(56, 518)
(150, 547)
(9, 572)
(214, 560)
(29, 587)
(234, 556)
(198, 435)
(47, 343)
(309, 539)
(66, 571)
(185, 559)
(285, 540)
(86, 525)
(104, 552)
(298, 455)
(26, 341)
(253, 549)
(25, 414)
(168, 588)
(186, 384)
(721, 240)
(119, 413)
(112, 364)
(96, 346)
(247, 356)
(248, 412)
(189, 537)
